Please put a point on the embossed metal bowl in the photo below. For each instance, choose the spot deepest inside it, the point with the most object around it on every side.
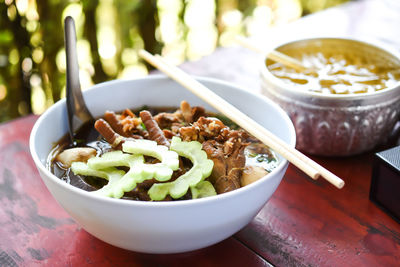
(338, 125)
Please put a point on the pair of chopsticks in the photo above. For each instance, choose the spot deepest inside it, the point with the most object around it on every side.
(307, 165)
(272, 54)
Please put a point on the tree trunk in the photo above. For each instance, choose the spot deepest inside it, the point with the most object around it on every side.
(18, 84)
(51, 28)
(90, 32)
(147, 26)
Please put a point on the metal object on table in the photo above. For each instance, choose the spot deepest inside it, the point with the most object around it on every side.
(338, 125)
(78, 113)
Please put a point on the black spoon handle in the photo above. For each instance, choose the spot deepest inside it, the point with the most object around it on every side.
(78, 113)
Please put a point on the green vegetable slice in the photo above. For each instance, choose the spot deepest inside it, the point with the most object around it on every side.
(111, 174)
(203, 189)
(201, 169)
(120, 182)
(169, 159)
(138, 170)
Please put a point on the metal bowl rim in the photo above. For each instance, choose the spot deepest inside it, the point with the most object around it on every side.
(268, 76)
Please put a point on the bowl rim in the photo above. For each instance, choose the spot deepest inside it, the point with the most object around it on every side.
(266, 75)
(157, 204)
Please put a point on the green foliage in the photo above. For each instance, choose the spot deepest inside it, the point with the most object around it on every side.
(32, 61)
(6, 37)
(311, 6)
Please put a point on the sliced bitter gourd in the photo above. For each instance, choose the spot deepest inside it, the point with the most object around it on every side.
(201, 169)
(138, 170)
(120, 182)
(111, 174)
(169, 159)
(203, 189)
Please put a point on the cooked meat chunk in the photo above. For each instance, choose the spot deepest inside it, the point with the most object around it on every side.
(155, 133)
(127, 113)
(206, 128)
(115, 123)
(227, 167)
(198, 112)
(182, 117)
(125, 124)
(168, 134)
(166, 120)
(251, 174)
(223, 146)
(186, 111)
(191, 114)
(75, 154)
(113, 138)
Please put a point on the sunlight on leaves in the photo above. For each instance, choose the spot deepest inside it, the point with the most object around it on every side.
(109, 35)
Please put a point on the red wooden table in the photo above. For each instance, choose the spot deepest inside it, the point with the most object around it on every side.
(305, 223)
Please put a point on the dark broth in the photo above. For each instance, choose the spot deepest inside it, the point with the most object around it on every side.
(257, 154)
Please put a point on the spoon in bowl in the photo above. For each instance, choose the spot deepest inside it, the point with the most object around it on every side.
(78, 113)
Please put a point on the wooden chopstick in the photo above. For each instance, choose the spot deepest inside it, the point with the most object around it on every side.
(307, 165)
(273, 54)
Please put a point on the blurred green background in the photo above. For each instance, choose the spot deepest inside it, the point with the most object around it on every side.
(32, 56)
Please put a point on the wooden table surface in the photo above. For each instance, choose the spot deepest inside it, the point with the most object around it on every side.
(305, 223)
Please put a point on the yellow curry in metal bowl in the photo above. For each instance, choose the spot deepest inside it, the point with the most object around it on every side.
(337, 69)
(347, 104)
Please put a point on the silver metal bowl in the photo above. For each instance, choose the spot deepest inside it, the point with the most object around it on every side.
(338, 125)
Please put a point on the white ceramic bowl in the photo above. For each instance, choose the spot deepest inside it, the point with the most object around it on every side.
(160, 227)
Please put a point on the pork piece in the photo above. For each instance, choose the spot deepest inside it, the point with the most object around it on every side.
(228, 164)
(128, 113)
(198, 112)
(114, 139)
(115, 123)
(205, 128)
(166, 120)
(168, 134)
(155, 133)
(75, 154)
(225, 147)
(131, 123)
(191, 114)
(125, 124)
(186, 112)
(182, 117)
(251, 174)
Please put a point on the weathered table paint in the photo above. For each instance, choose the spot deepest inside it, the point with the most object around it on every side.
(306, 223)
